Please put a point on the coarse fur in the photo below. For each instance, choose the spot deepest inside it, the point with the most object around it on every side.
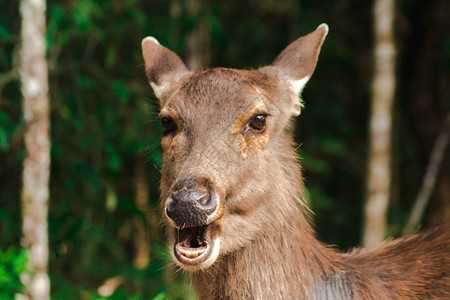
(254, 240)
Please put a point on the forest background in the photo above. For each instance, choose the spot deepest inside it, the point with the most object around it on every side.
(104, 229)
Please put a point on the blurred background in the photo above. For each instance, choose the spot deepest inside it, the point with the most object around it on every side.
(103, 214)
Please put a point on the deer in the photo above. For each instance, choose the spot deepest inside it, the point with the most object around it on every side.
(233, 197)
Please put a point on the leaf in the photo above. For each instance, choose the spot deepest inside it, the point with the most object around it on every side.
(4, 33)
(111, 199)
(54, 22)
(121, 91)
(4, 142)
(333, 146)
(114, 161)
(20, 262)
(86, 82)
(315, 165)
(160, 296)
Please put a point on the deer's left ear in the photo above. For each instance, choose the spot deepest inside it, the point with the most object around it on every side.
(299, 59)
(163, 67)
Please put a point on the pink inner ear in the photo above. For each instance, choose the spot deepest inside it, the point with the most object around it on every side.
(299, 59)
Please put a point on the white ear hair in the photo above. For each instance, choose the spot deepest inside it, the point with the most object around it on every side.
(150, 38)
(159, 89)
(297, 87)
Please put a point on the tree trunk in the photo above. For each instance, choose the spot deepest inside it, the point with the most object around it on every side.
(425, 92)
(36, 167)
(379, 171)
(198, 40)
(429, 180)
(142, 257)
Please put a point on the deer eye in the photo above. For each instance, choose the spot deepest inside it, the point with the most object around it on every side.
(168, 125)
(258, 123)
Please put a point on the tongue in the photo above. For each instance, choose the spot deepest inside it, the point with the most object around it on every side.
(192, 238)
(192, 241)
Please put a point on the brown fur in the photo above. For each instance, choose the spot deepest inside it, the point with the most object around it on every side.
(267, 248)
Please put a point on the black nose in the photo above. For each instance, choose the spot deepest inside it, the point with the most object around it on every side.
(191, 203)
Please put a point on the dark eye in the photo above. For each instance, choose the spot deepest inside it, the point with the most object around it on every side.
(258, 122)
(168, 125)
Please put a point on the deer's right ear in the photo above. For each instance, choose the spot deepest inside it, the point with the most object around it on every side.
(299, 59)
(162, 66)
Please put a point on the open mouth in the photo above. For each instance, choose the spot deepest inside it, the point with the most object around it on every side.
(194, 248)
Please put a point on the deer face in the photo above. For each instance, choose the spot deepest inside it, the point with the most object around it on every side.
(222, 133)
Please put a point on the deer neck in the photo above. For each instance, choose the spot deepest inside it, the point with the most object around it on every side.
(285, 262)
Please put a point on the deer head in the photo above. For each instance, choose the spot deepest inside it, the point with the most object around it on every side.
(225, 147)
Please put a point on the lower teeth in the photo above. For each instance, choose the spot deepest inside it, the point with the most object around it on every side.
(191, 253)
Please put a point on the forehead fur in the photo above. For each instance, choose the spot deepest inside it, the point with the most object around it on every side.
(217, 82)
(221, 88)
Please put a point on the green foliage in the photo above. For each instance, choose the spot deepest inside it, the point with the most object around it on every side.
(102, 127)
(12, 265)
